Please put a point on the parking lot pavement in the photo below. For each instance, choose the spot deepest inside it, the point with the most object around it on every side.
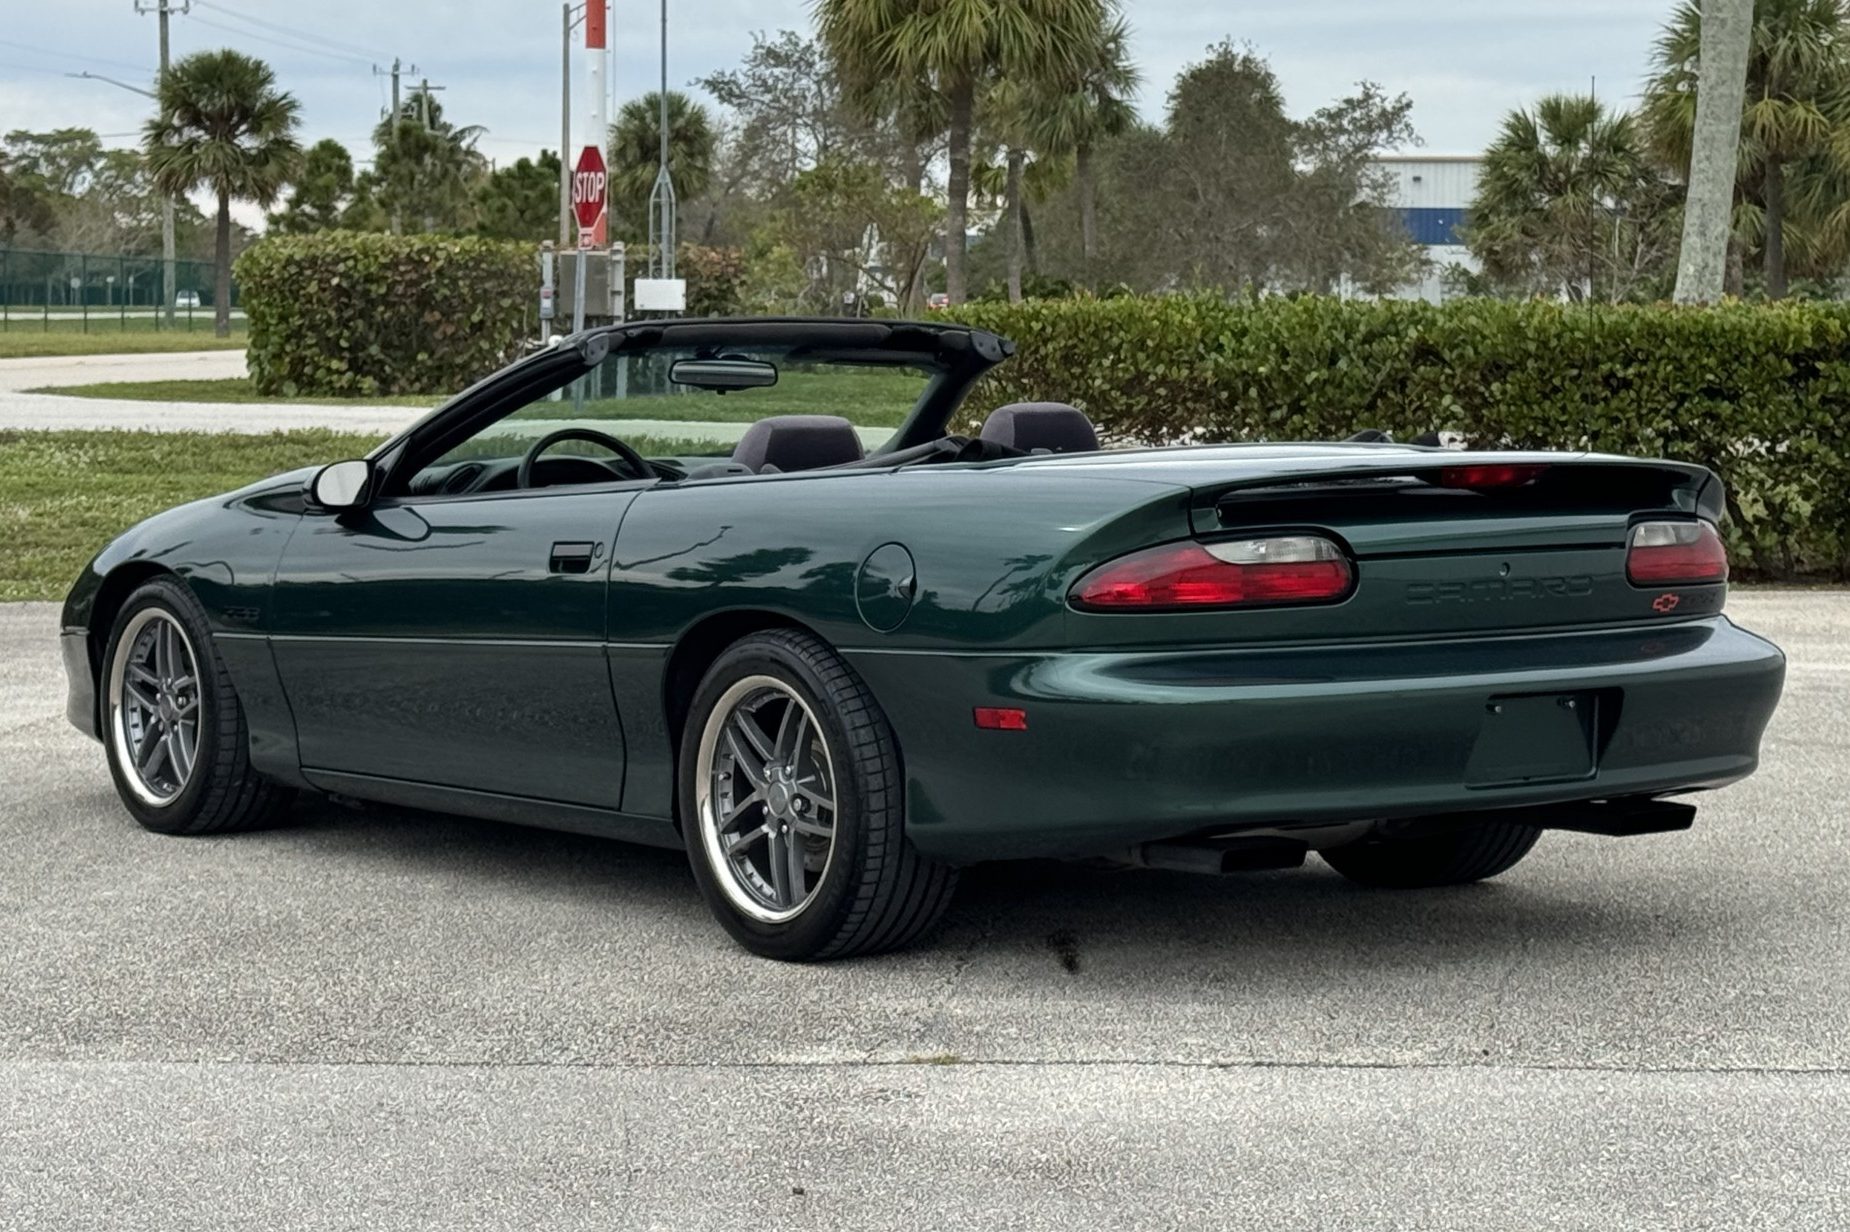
(391, 1020)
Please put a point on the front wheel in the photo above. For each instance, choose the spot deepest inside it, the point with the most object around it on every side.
(792, 804)
(178, 746)
(1455, 857)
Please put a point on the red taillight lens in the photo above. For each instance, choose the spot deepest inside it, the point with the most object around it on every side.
(1495, 475)
(1675, 554)
(1249, 572)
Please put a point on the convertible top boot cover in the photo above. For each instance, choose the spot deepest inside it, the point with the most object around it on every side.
(798, 443)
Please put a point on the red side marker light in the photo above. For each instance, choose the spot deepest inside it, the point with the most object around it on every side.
(1492, 475)
(1001, 718)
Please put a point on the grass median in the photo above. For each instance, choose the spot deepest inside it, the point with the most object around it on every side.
(63, 495)
(869, 398)
(22, 341)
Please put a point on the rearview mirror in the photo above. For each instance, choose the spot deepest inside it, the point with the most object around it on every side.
(723, 374)
(342, 486)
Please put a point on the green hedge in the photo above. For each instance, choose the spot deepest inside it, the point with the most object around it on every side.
(358, 315)
(1761, 394)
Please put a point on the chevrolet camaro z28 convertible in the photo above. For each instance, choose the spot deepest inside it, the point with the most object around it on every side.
(836, 676)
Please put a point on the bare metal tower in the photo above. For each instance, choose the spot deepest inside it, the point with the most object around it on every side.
(661, 198)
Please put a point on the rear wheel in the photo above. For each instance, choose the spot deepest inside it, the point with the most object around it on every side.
(792, 804)
(178, 747)
(1470, 853)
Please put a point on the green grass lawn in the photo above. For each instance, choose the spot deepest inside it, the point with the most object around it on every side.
(63, 495)
(868, 397)
(22, 341)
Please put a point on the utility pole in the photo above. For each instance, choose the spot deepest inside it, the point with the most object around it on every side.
(597, 123)
(565, 124)
(169, 266)
(1721, 90)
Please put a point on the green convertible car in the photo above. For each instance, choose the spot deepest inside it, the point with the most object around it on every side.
(835, 676)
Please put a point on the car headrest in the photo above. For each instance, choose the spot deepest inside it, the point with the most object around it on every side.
(1053, 426)
(798, 443)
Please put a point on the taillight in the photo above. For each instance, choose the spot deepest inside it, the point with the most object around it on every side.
(1244, 573)
(1675, 554)
(1492, 475)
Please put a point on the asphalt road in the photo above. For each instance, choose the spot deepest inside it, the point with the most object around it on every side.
(392, 1021)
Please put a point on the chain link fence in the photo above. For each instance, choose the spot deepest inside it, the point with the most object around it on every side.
(92, 292)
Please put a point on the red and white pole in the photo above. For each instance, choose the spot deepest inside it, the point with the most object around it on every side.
(597, 64)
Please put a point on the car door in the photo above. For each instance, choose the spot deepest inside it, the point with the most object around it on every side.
(457, 642)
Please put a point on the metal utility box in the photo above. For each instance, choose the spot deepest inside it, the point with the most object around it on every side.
(604, 279)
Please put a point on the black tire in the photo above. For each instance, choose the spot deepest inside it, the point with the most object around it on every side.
(876, 892)
(1455, 857)
(222, 793)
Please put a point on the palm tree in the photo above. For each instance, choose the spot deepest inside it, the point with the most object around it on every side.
(1553, 187)
(635, 153)
(1086, 107)
(1797, 105)
(223, 124)
(956, 47)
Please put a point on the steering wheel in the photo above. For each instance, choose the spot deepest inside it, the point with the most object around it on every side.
(637, 464)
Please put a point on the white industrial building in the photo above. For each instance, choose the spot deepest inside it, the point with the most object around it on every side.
(1432, 194)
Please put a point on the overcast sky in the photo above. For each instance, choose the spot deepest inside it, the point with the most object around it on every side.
(1464, 62)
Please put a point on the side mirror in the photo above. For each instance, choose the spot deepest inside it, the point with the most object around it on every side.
(342, 486)
(723, 374)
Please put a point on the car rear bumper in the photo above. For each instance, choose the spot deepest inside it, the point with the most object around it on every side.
(80, 681)
(1130, 747)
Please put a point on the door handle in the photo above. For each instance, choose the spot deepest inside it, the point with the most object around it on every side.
(573, 557)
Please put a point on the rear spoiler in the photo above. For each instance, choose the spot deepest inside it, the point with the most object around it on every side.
(1648, 484)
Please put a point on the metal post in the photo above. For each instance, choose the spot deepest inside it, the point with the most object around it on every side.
(565, 125)
(548, 296)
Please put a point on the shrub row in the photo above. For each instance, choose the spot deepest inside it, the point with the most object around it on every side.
(365, 314)
(1760, 394)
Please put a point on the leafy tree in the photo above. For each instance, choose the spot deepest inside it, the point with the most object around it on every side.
(1796, 119)
(322, 191)
(949, 50)
(635, 155)
(521, 201)
(223, 124)
(1568, 203)
(425, 169)
(848, 224)
(23, 204)
(790, 110)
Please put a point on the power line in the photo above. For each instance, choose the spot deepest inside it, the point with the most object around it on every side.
(65, 55)
(307, 36)
(283, 43)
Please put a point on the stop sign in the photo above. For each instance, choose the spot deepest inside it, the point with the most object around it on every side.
(589, 183)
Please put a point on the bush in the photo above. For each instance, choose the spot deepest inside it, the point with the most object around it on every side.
(1760, 394)
(351, 314)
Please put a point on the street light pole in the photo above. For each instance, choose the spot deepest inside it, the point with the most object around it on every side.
(169, 266)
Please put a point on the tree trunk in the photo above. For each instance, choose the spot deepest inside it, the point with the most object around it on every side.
(1775, 188)
(1030, 251)
(1084, 174)
(1720, 93)
(957, 208)
(221, 295)
(1012, 195)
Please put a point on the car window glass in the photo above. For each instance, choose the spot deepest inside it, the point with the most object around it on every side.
(630, 396)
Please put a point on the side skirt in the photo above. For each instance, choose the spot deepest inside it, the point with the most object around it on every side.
(519, 810)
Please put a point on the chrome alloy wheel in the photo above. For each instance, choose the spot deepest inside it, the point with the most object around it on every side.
(154, 706)
(764, 786)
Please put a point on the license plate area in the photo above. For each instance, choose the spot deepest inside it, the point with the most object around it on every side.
(1534, 738)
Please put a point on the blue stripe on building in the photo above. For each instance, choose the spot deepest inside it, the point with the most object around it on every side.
(1428, 225)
